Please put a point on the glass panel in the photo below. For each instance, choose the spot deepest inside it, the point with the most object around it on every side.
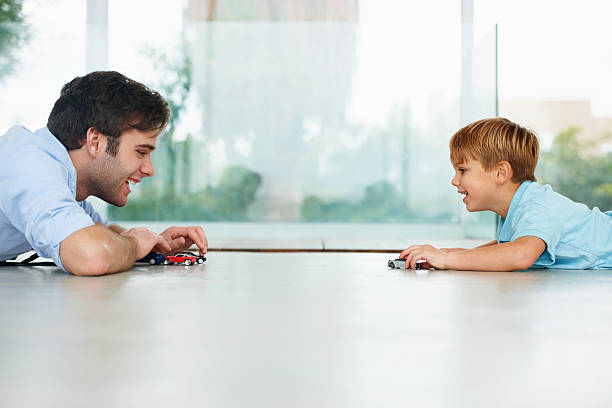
(37, 56)
(557, 82)
(325, 111)
(331, 112)
(483, 105)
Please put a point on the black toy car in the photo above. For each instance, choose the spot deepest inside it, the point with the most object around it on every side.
(153, 258)
(401, 264)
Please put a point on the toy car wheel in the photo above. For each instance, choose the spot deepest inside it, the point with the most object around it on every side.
(187, 262)
(167, 262)
(200, 261)
(152, 261)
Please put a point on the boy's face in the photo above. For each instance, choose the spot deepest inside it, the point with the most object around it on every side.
(476, 184)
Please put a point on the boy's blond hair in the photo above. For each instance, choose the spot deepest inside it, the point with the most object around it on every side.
(493, 140)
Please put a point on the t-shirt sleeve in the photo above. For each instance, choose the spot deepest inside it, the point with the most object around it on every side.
(535, 219)
(39, 204)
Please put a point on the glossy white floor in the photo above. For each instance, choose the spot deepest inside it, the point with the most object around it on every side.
(304, 330)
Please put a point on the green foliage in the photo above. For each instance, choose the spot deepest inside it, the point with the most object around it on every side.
(175, 86)
(13, 34)
(167, 196)
(228, 201)
(579, 169)
(380, 203)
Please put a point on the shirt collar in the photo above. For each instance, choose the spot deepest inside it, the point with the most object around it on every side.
(62, 155)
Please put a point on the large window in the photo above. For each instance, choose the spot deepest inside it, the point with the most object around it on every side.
(328, 111)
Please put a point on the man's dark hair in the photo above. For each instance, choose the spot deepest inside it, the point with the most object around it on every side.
(109, 102)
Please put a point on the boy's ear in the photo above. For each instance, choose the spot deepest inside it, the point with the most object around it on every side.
(95, 142)
(504, 172)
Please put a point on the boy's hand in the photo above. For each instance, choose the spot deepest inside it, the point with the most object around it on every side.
(432, 256)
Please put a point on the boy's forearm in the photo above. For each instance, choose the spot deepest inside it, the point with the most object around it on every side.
(494, 242)
(507, 256)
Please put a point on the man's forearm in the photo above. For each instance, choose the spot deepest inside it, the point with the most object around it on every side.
(97, 250)
(116, 228)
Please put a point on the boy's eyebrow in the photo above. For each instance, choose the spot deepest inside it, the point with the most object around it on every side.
(146, 146)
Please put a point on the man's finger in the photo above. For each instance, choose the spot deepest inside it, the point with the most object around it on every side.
(177, 243)
(197, 235)
(163, 243)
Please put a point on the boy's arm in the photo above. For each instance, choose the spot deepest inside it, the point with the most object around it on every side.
(98, 250)
(494, 242)
(507, 256)
(449, 250)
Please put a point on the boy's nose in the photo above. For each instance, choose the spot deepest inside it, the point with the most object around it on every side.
(454, 181)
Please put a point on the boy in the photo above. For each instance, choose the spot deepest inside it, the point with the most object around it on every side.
(495, 161)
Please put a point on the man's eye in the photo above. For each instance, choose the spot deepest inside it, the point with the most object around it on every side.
(142, 153)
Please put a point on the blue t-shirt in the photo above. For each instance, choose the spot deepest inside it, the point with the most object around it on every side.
(38, 209)
(575, 237)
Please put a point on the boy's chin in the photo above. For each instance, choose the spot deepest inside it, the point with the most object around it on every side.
(471, 209)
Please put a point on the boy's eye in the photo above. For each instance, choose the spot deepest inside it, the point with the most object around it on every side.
(461, 170)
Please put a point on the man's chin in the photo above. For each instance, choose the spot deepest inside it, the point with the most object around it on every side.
(117, 202)
(121, 203)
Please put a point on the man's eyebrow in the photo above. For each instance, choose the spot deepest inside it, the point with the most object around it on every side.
(146, 146)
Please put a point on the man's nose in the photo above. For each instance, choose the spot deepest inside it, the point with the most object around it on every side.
(147, 168)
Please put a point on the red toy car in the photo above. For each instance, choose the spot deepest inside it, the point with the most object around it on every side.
(180, 257)
(186, 258)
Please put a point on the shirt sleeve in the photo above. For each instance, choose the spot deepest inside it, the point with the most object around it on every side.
(535, 219)
(95, 216)
(40, 204)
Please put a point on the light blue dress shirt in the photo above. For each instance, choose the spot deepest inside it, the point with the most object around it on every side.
(38, 209)
(575, 237)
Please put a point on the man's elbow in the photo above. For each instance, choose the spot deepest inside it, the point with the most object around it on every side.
(90, 269)
(93, 261)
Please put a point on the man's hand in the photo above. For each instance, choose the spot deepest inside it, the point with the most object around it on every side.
(147, 240)
(182, 238)
(434, 257)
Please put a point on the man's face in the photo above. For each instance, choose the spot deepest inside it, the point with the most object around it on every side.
(476, 184)
(110, 176)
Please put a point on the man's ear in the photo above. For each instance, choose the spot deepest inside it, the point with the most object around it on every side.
(504, 172)
(95, 142)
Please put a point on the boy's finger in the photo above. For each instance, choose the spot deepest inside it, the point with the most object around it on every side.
(407, 266)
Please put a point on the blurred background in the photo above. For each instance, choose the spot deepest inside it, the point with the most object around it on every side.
(327, 117)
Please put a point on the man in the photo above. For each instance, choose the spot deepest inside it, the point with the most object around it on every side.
(98, 140)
